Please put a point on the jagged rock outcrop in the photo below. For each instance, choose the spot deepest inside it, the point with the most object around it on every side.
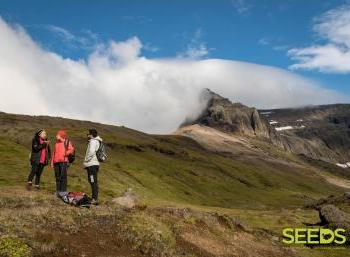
(230, 117)
(329, 214)
(334, 218)
(316, 132)
(334, 212)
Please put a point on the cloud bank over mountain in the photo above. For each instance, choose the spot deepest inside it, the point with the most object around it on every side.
(115, 84)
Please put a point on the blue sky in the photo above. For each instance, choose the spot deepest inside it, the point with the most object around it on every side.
(247, 30)
(144, 64)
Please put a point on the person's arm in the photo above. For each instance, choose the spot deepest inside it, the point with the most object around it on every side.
(91, 150)
(70, 149)
(36, 146)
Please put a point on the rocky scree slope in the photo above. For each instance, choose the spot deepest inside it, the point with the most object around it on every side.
(318, 132)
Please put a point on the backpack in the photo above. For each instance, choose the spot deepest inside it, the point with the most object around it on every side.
(101, 153)
(78, 198)
(75, 198)
(71, 157)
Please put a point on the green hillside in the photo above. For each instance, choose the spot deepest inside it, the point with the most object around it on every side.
(194, 202)
(160, 168)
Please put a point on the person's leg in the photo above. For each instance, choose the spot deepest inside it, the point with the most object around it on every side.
(94, 185)
(38, 173)
(64, 168)
(32, 173)
(57, 176)
(91, 172)
(31, 176)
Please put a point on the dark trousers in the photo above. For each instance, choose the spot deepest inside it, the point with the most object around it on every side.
(92, 177)
(36, 171)
(61, 176)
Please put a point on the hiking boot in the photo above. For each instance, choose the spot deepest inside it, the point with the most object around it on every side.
(37, 187)
(94, 202)
(29, 186)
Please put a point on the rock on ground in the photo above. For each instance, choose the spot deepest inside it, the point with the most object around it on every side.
(129, 199)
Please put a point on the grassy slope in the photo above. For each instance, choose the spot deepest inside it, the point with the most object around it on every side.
(171, 170)
(108, 230)
(161, 168)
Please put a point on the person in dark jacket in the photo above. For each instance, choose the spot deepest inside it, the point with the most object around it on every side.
(39, 158)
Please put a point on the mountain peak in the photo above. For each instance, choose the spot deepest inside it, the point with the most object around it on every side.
(217, 99)
(220, 113)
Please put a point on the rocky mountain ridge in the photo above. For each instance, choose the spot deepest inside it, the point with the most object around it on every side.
(317, 132)
(230, 117)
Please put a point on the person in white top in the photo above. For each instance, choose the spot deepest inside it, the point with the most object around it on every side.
(91, 162)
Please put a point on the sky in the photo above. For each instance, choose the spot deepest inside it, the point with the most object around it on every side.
(143, 64)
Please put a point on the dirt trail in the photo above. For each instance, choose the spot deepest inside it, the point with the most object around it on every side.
(214, 139)
(341, 182)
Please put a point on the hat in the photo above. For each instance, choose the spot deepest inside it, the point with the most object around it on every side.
(39, 132)
(62, 134)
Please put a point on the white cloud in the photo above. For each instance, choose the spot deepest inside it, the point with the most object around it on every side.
(65, 34)
(195, 52)
(117, 85)
(241, 6)
(334, 56)
(87, 40)
(150, 48)
(196, 49)
(264, 41)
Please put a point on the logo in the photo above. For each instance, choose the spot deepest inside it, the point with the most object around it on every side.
(314, 236)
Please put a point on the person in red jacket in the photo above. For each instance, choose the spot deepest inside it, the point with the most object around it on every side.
(63, 148)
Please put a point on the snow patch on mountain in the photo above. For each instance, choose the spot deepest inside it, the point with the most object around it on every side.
(343, 165)
(289, 127)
